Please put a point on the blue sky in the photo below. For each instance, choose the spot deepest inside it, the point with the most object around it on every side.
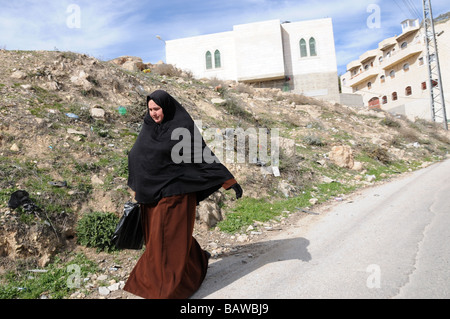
(111, 28)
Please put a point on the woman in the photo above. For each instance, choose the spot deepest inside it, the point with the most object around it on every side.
(173, 264)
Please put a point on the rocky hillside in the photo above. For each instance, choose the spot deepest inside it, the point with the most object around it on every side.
(68, 120)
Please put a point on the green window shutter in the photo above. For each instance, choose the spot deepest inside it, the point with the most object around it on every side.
(303, 51)
(217, 63)
(312, 47)
(208, 60)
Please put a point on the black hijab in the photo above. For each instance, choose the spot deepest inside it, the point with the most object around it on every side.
(171, 158)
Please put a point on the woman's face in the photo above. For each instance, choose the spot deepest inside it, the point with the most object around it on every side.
(156, 112)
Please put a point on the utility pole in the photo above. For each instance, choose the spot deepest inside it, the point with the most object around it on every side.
(437, 100)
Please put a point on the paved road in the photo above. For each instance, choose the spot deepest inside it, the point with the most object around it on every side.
(388, 241)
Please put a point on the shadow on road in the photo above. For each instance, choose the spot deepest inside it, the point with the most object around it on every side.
(249, 258)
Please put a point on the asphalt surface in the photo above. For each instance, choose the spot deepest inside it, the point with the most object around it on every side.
(387, 241)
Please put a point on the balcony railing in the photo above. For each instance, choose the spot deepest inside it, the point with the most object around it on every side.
(362, 76)
(401, 55)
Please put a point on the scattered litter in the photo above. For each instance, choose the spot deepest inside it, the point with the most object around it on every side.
(308, 212)
(276, 171)
(58, 184)
(38, 270)
(339, 199)
(71, 115)
(122, 110)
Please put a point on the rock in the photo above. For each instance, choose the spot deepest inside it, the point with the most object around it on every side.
(102, 277)
(114, 287)
(130, 63)
(72, 131)
(208, 211)
(95, 180)
(51, 86)
(342, 156)
(81, 80)
(18, 75)
(287, 189)
(313, 201)
(288, 145)
(14, 148)
(357, 166)
(97, 112)
(218, 101)
(242, 238)
(104, 291)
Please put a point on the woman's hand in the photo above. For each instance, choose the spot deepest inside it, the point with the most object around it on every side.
(238, 190)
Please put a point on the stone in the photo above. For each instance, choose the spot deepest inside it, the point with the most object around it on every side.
(218, 101)
(81, 80)
(72, 131)
(114, 286)
(14, 148)
(97, 112)
(104, 291)
(357, 166)
(95, 180)
(102, 277)
(313, 201)
(242, 238)
(287, 189)
(18, 75)
(208, 211)
(342, 156)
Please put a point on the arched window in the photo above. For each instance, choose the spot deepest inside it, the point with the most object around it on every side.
(394, 96)
(217, 63)
(406, 67)
(208, 60)
(312, 47)
(369, 85)
(374, 103)
(404, 45)
(408, 91)
(384, 99)
(382, 79)
(392, 74)
(303, 51)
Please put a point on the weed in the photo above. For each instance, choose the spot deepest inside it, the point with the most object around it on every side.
(55, 281)
(96, 229)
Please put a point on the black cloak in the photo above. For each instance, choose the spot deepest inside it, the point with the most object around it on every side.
(171, 158)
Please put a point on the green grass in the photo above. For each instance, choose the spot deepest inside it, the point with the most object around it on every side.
(249, 210)
(57, 280)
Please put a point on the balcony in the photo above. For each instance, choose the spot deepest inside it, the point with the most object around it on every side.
(367, 56)
(387, 44)
(353, 65)
(401, 55)
(362, 77)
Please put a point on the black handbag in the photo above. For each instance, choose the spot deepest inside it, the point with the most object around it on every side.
(129, 232)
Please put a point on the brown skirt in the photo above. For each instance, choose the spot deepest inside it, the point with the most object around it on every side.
(173, 264)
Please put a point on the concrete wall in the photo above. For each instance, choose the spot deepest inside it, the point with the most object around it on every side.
(311, 75)
(259, 51)
(189, 54)
(350, 99)
(265, 53)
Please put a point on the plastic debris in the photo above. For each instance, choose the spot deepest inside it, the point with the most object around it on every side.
(72, 115)
(122, 110)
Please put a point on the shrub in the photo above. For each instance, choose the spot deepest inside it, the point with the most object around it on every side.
(95, 230)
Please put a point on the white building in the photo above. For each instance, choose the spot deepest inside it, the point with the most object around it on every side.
(394, 76)
(298, 56)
